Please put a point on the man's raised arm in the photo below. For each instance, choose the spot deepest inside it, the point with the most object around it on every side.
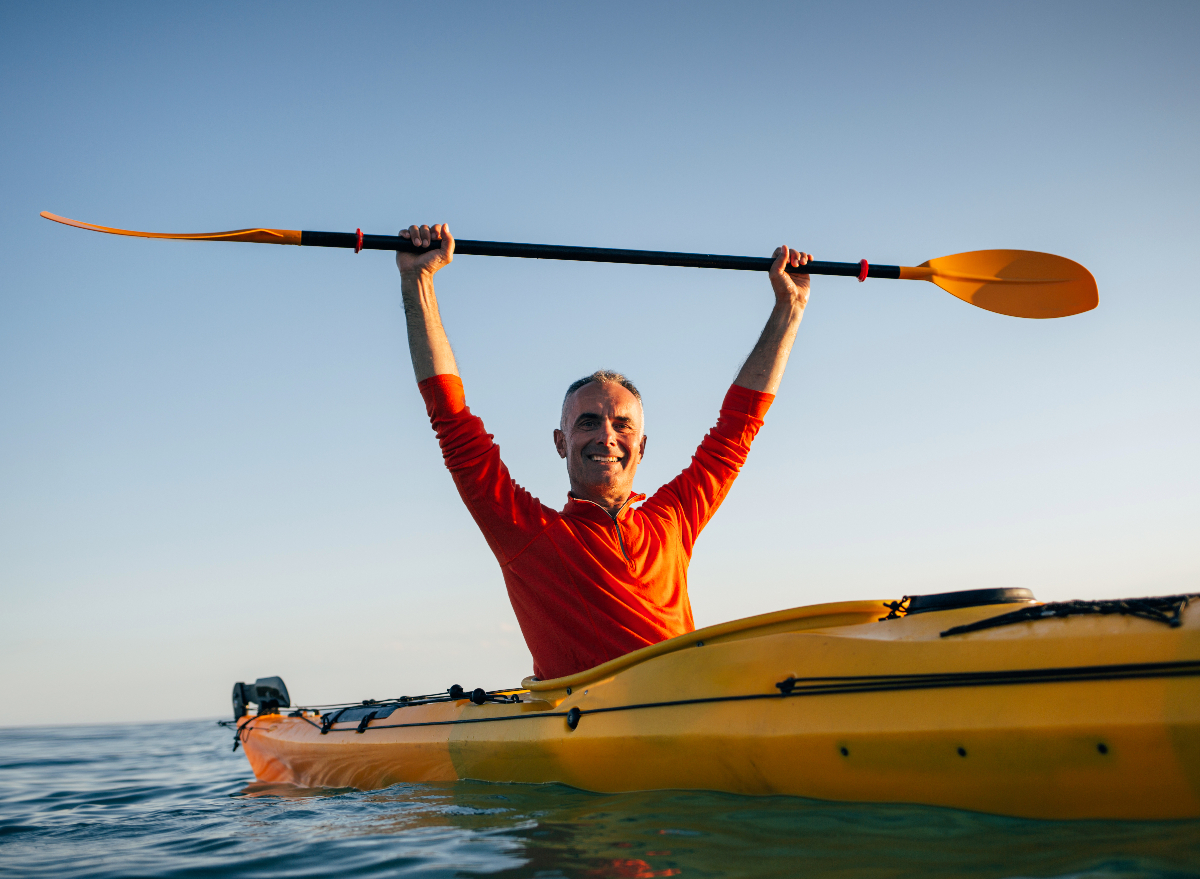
(427, 341)
(763, 369)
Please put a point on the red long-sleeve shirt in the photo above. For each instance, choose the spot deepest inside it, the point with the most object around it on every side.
(586, 587)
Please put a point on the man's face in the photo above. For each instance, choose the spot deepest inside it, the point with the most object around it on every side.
(602, 440)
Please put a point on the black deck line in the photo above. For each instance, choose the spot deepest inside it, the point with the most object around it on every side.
(865, 684)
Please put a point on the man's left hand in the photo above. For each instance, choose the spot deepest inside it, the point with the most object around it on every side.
(789, 289)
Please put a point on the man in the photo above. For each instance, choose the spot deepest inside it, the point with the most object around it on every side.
(601, 577)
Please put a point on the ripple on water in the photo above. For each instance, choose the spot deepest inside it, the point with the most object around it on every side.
(170, 800)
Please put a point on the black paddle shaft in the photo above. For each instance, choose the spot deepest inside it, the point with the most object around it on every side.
(594, 254)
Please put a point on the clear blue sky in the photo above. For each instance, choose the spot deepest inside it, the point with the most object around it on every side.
(214, 464)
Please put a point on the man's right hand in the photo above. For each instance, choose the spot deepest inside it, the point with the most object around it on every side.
(427, 263)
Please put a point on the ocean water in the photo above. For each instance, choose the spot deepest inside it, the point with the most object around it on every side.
(172, 800)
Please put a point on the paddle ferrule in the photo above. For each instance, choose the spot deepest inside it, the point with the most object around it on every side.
(915, 273)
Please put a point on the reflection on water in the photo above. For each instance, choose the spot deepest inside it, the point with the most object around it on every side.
(169, 800)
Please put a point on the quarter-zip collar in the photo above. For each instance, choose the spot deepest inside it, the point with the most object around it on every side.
(577, 506)
(593, 510)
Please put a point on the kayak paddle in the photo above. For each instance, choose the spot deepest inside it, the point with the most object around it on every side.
(1019, 283)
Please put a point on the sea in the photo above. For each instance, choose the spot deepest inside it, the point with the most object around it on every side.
(173, 800)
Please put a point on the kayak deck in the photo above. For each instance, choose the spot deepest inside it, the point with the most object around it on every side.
(1077, 717)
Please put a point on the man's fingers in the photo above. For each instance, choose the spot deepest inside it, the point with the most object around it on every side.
(431, 259)
(785, 255)
(424, 236)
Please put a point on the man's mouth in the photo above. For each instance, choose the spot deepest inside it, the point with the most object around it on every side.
(604, 459)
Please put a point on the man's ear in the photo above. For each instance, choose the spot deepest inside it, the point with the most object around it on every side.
(642, 447)
(560, 442)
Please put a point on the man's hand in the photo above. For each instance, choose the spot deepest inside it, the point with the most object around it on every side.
(789, 289)
(427, 263)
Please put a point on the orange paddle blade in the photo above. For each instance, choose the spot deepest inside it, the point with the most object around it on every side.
(1019, 283)
(256, 236)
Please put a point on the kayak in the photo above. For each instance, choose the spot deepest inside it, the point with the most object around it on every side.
(985, 700)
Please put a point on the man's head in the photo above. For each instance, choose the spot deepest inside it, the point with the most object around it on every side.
(600, 436)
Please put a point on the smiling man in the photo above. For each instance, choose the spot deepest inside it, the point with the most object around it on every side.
(601, 577)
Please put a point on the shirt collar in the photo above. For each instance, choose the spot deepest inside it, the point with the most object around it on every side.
(590, 509)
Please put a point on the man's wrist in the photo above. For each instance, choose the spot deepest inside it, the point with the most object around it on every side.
(415, 276)
(789, 310)
(418, 287)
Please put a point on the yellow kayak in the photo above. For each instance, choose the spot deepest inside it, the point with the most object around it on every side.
(984, 700)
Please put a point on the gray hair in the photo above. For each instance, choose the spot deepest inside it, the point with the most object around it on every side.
(603, 376)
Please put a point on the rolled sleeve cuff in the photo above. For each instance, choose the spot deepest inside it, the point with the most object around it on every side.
(745, 401)
(444, 394)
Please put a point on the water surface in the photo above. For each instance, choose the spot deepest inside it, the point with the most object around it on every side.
(171, 800)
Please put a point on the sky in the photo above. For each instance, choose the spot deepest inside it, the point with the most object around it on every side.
(214, 462)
